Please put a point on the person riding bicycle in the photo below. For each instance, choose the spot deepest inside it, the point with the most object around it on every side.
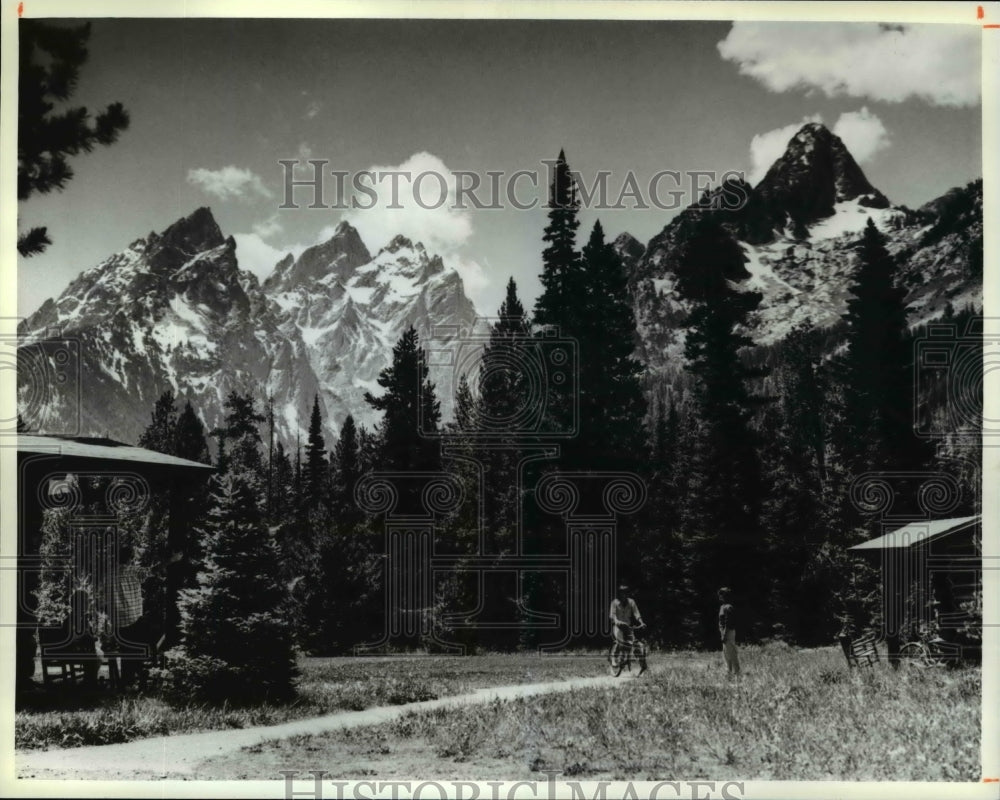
(623, 613)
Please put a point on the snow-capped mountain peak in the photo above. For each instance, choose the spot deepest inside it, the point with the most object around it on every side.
(192, 234)
(799, 231)
(815, 173)
(401, 242)
(339, 256)
(174, 310)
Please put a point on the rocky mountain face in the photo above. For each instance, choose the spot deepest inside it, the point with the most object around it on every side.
(350, 308)
(799, 229)
(175, 311)
(805, 185)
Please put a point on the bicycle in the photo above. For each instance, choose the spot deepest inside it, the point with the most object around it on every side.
(620, 657)
(927, 652)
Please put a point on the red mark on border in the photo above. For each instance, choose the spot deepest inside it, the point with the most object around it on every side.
(20, 10)
(979, 12)
(992, 26)
(991, 780)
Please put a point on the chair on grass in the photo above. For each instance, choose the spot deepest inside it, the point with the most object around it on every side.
(69, 645)
(861, 652)
(67, 659)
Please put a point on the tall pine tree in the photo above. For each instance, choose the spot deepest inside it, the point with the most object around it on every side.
(796, 509)
(174, 512)
(269, 415)
(368, 447)
(189, 440)
(878, 415)
(503, 376)
(316, 485)
(466, 409)
(160, 434)
(560, 258)
(412, 413)
(662, 565)
(723, 535)
(612, 402)
(464, 455)
(241, 433)
(346, 471)
(557, 307)
(661, 470)
(506, 409)
(237, 640)
(282, 485)
(407, 440)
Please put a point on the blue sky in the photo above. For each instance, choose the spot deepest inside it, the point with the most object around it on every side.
(215, 104)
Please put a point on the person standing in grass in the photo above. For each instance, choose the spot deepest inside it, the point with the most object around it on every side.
(727, 630)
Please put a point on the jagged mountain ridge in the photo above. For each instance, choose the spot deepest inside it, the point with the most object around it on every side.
(351, 311)
(175, 311)
(799, 229)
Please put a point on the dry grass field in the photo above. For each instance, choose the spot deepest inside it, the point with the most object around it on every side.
(793, 715)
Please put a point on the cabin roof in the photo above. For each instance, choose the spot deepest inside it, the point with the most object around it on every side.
(100, 449)
(918, 533)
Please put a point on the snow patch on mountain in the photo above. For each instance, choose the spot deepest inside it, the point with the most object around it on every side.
(763, 278)
(850, 217)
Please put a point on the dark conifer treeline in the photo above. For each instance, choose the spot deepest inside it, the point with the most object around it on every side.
(747, 454)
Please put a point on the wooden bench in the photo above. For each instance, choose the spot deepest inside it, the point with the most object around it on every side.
(72, 660)
(66, 671)
(861, 652)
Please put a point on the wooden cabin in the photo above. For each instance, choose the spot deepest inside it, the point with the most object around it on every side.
(96, 480)
(931, 571)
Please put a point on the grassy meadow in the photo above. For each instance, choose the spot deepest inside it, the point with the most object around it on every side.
(75, 717)
(793, 715)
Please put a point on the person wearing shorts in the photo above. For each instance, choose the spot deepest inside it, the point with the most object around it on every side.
(727, 631)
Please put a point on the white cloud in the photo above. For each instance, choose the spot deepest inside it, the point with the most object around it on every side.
(475, 279)
(766, 148)
(442, 229)
(936, 63)
(256, 255)
(327, 232)
(313, 109)
(863, 134)
(228, 182)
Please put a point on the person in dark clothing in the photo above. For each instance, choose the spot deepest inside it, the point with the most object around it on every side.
(727, 631)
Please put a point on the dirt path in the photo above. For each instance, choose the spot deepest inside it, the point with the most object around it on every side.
(177, 757)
